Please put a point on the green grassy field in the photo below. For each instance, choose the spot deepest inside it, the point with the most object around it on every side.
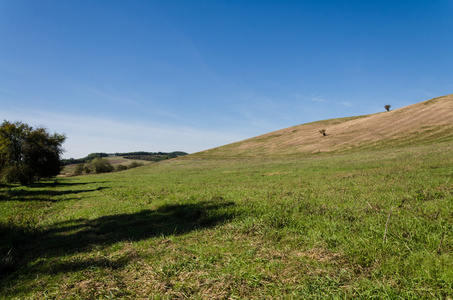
(370, 224)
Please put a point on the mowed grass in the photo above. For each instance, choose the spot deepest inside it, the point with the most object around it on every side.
(374, 224)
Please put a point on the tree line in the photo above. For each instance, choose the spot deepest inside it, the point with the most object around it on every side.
(139, 155)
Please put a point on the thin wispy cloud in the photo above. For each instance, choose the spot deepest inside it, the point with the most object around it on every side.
(320, 99)
(347, 104)
(311, 98)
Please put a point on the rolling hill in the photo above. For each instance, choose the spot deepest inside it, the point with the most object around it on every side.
(425, 122)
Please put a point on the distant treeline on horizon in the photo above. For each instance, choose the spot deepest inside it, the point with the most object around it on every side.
(140, 155)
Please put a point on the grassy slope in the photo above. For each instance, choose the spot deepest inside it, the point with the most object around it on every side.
(428, 121)
(215, 227)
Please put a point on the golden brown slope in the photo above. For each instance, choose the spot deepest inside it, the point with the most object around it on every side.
(424, 122)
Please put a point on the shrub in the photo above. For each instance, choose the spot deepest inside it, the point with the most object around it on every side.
(88, 168)
(387, 107)
(101, 165)
(121, 168)
(323, 132)
(79, 169)
(134, 164)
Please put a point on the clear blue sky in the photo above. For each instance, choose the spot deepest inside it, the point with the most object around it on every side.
(119, 76)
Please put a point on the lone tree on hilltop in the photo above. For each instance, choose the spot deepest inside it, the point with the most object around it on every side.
(387, 107)
(28, 154)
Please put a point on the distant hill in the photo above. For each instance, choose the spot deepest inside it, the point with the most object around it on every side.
(421, 123)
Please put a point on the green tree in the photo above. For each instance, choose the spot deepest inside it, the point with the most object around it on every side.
(79, 169)
(387, 107)
(28, 154)
(88, 168)
(101, 165)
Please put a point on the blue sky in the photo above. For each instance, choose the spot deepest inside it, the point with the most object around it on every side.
(118, 76)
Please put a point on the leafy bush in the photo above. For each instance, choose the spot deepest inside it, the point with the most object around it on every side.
(134, 165)
(323, 132)
(101, 165)
(387, 107)
(121, 167)
(88, 169)
(79, 169)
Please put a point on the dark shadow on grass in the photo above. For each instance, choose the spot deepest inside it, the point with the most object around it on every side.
(82, 235)
(43, 184)
(41, 195)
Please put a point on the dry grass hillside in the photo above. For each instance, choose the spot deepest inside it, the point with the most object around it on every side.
(425, 122)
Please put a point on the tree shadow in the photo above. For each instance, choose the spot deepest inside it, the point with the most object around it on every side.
(83, 235)
(43, 184)
(174, 219)
(23, 195)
